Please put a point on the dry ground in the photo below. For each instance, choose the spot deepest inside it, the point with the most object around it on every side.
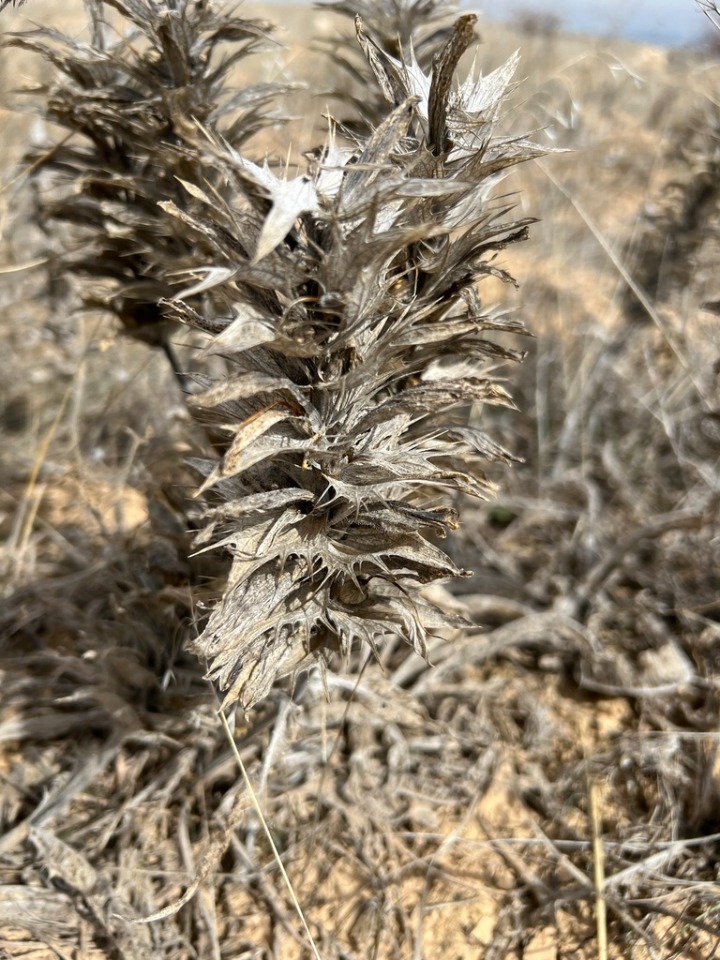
(553, 780)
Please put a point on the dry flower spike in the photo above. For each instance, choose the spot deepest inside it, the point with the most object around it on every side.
(356, 340)
(127, 97)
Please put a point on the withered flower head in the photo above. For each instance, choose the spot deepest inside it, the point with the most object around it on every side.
(356, 340)
(126, 98)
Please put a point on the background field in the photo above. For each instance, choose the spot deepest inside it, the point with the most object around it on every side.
(553, 779)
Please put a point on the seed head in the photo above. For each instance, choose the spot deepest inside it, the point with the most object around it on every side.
(356, 339)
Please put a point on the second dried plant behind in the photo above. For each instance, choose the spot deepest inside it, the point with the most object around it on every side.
(402, 28)
(356, 339)
(125, 98)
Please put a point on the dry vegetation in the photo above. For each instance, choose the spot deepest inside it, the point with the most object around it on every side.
(549, 788)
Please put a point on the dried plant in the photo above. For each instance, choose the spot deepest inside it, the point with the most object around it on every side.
(356, 339)
(400, 28)
(677, 225)
(399, 25)
(685, 217)
(711, 11)
(126, 99)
